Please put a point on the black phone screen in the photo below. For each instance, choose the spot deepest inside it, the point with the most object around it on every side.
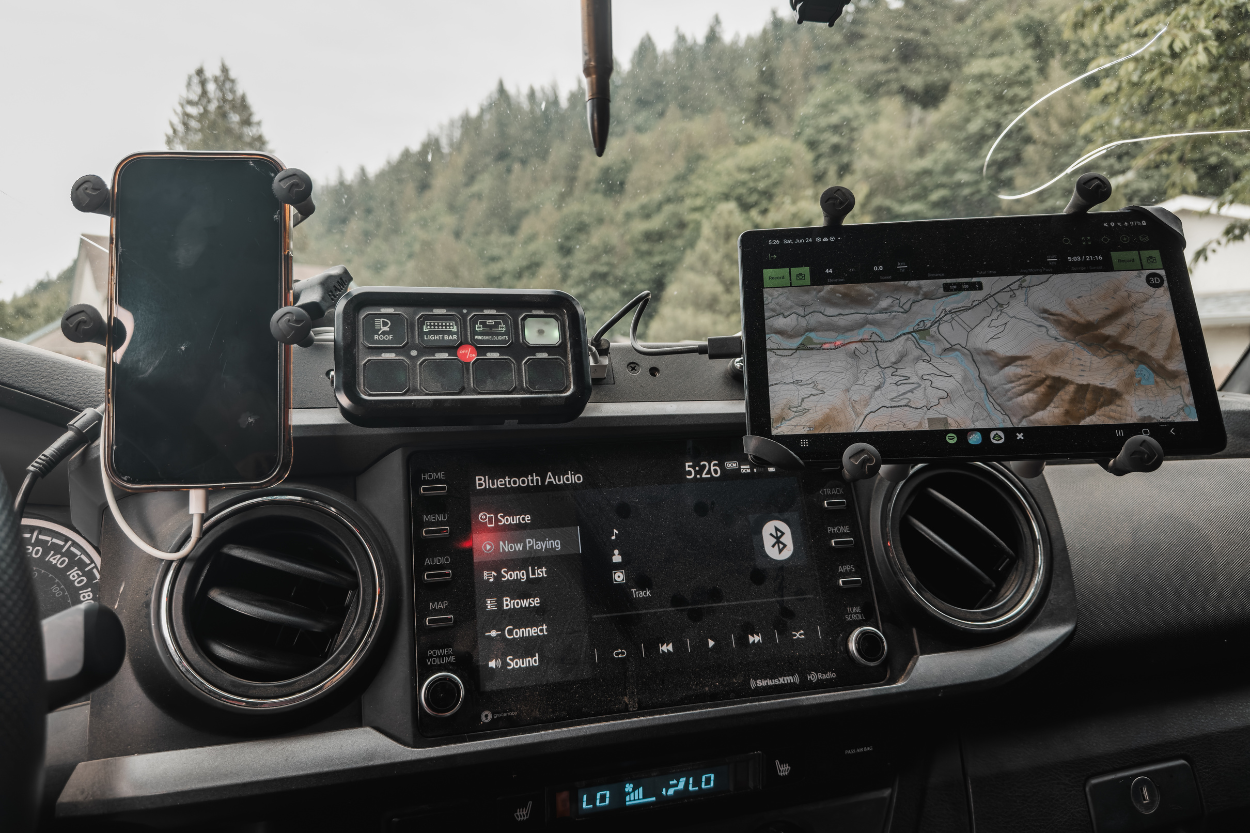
(196, 382)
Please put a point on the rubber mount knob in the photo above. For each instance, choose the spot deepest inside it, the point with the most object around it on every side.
(83, 324)
(1093, 188)
(1140, 453)
(292, 186)
(442, 694)
(836, 203)
(290, 325)
(90, 195)
(860, 462)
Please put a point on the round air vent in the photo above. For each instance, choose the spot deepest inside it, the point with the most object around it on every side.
(277, 605)
(967, 545)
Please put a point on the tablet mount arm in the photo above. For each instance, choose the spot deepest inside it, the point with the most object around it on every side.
(861, 461)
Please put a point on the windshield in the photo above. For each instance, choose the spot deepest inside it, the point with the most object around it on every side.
(452, 150)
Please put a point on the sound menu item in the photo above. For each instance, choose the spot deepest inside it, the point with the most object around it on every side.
(606, 579)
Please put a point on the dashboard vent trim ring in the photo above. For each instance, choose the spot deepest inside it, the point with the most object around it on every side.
(287, 702)
(1037, 555)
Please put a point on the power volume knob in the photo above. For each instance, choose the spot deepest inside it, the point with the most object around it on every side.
(442, 694)
(867, 646)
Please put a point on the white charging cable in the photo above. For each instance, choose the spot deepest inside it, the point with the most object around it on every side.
(197, 506)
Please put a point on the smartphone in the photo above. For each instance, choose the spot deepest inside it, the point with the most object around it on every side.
(198, 391)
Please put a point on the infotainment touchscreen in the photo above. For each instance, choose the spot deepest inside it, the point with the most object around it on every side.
(1046, 336)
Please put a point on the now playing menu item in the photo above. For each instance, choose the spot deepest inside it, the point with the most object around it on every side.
(1007, 337)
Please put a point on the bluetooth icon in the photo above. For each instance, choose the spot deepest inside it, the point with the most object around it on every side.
(778, 540)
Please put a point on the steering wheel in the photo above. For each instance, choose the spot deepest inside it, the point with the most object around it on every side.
(22, 698)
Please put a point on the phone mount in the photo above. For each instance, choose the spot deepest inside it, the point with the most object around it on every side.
(314, 297)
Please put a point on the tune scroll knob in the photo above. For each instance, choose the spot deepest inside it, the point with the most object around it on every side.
(442, 694)
(867, 646)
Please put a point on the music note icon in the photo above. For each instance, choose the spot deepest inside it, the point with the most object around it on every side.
(613, 538)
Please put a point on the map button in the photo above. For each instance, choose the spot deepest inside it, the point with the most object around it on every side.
(997, 437)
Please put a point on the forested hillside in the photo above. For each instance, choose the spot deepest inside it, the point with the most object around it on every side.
(899, 101)
(713, 137)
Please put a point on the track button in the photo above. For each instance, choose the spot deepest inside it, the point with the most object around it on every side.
(835, 504)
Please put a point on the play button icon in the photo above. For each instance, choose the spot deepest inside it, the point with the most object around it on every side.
(711, 642)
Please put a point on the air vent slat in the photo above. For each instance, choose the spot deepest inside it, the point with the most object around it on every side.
(259, 659)
(289, 564)
(976, 524)
(274, 611)
(955, 554)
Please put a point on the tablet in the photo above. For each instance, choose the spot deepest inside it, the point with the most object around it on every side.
(1046, 336)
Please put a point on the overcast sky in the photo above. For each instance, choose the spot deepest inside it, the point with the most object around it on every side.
(336, 85)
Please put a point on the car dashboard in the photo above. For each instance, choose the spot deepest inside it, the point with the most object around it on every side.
(623, 620)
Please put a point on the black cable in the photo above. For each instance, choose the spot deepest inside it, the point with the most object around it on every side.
(23, 493)
(81, 430)
(641, 303)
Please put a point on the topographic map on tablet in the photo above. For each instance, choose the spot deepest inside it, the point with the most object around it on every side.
(1032, 350)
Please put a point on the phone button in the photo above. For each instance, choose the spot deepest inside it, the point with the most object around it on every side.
(435, 532)
(384, 329)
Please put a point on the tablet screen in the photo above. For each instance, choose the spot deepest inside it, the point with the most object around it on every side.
(873, 331)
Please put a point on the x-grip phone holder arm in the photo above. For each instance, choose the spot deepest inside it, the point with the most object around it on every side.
(314, 297)
(861, 461)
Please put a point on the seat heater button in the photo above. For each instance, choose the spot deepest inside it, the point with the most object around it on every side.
(1145, 795)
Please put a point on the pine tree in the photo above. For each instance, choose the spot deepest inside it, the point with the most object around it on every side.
(214, 115)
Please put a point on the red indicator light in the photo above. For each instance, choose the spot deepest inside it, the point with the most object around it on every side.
(466, 352)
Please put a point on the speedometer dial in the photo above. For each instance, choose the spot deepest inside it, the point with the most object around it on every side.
(66, 568)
